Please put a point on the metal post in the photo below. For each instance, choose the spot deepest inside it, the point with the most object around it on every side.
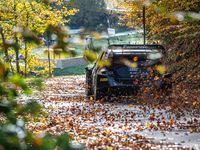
(108, 23)
(26, 50)
(107, 31)
(16, 41)
(49, 55)
(144, 24)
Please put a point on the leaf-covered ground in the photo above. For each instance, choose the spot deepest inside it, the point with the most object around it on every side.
(134, 122)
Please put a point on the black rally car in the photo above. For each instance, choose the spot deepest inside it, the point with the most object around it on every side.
(132, 66)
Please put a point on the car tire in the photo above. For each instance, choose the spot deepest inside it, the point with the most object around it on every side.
(167, 89)
(98, 94)
(88, 89)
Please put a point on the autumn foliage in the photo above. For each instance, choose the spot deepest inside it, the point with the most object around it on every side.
(175, 25)
(23, 23)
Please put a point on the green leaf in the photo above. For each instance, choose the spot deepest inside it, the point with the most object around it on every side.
(16, 79)
(33, 107)
(12, 93)
(2, 90)
(5, 108)
(28, 91)
(38, 82)
(63, 141)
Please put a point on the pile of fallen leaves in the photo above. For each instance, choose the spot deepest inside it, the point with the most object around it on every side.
(126, 122)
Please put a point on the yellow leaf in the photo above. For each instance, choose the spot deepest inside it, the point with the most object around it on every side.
(183, 92)
(96, 35)
(133, 65)
(148, 125)
(106, 132)
(194, 103)
(100, 63)
(107, 63)
(130, 106)
(99, 109)
(90, 56)
(161, 69)
(104, 63)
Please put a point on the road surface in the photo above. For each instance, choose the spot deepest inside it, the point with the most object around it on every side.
(101, 125)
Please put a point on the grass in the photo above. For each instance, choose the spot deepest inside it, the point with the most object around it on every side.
(76, 70)
(127, 39)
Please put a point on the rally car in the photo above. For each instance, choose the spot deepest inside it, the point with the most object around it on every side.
(130, 67)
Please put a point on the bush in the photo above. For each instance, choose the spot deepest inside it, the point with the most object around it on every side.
(13, 135)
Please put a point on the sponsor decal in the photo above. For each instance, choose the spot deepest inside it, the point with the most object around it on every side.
(103, 79)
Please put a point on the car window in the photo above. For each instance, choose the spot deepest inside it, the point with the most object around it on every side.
(141, 54)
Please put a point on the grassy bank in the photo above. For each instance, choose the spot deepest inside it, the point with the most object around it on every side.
(76, 70)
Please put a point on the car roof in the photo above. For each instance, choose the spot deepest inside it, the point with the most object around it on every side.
(129, 51)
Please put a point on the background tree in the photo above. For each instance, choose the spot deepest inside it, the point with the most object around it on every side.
(28, 16)
(91, 14)
(175, 25)
(165, 19)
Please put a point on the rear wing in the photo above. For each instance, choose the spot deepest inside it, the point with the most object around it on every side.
(130, 51)
(136, 47)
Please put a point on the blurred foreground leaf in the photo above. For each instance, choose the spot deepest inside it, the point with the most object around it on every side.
(16, 79)
(90, 56)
